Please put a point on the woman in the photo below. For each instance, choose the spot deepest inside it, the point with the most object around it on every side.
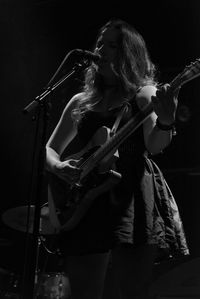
(133, 217)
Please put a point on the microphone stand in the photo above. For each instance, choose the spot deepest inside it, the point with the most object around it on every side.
(41, 103)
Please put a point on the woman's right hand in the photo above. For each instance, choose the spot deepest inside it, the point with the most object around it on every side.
(68, 170)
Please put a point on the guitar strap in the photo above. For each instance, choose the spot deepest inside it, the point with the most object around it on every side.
(122, 111)
(118, 119)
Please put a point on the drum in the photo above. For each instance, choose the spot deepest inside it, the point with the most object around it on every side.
(53, 286)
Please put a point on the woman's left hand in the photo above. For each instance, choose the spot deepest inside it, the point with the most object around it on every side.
(165, 104)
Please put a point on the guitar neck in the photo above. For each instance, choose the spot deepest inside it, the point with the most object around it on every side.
(189, 73)
(130, 127)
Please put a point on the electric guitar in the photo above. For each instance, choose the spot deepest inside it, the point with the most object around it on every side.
(69, 203)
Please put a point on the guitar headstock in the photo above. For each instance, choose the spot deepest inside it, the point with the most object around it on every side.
(190, 72)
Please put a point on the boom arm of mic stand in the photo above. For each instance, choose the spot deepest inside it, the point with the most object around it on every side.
(39, 99)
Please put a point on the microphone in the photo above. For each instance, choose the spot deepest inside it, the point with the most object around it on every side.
(87, 55)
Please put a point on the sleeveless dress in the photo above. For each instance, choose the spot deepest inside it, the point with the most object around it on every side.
(139, 210)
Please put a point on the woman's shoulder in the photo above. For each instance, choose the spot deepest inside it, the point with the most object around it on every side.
(143, 96)
(74, 101)
(77, 97)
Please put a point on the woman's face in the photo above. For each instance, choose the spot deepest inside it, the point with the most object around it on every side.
(107, 47)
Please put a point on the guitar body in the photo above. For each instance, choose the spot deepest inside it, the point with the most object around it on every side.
(69, 203)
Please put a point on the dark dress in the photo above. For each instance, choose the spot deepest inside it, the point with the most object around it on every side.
(140, 209)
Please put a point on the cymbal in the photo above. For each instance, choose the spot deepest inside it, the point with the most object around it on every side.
(16, 218)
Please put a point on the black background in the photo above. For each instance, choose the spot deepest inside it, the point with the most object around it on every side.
(35, 38)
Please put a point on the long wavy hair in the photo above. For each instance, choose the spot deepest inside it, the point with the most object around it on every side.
(134, 67)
